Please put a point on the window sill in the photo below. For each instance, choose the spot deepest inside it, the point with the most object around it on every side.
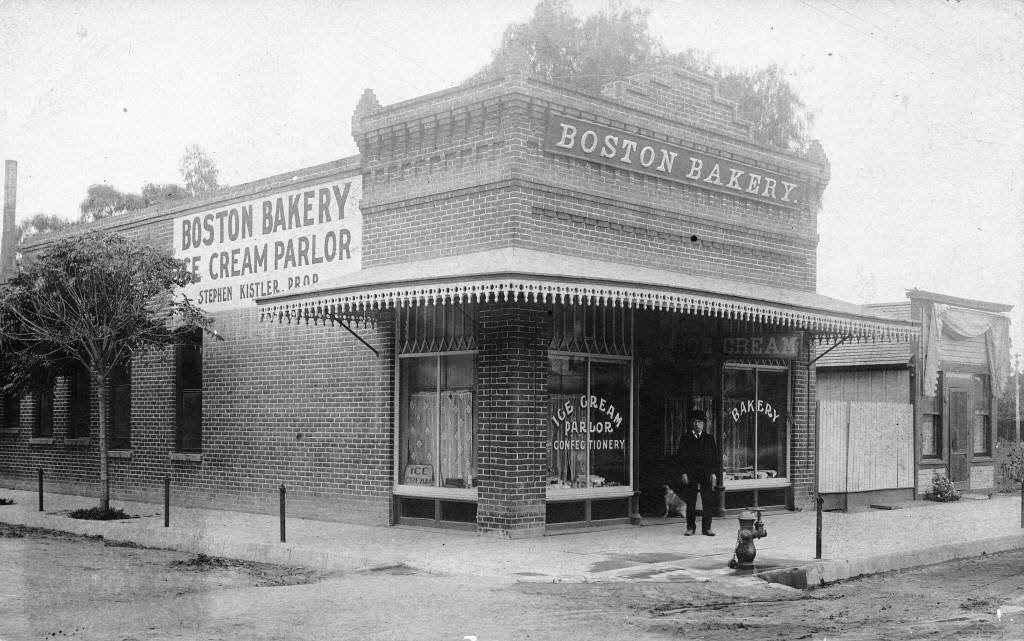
(77, 442)
(755, 484)
(195, 457)
(41, 440)
(430, 491)
(569, 494)
(119, 453)
(9, 431)
(982, 459)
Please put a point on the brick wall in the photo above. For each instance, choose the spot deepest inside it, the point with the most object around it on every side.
(463, 171)
(307, 406)
(803, 446)
(304, 405)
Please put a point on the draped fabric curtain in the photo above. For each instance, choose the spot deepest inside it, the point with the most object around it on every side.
(564, 465)
(963, 324)
(457, 436)
(421, 428)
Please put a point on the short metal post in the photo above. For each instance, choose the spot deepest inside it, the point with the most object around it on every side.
(167, 501)
(817, 540)
(282, 513)
(40, 489)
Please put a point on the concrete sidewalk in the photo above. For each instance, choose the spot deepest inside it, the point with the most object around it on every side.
(854, 543)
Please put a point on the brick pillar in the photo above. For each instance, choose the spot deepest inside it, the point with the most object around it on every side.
(512, 371)
(803, 443)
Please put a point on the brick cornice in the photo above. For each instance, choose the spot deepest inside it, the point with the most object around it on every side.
(808, 242)
(445, 105)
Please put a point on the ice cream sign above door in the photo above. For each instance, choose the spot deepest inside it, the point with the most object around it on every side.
(291, 240)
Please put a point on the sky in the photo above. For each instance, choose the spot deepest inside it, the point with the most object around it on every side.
(919, 105)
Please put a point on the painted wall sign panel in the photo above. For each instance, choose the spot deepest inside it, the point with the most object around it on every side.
(288, 241)
(618, 148)
(775, 346)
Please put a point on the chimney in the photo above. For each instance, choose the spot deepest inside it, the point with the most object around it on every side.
(7, 244)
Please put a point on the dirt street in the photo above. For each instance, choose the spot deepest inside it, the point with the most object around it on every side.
(55, 586)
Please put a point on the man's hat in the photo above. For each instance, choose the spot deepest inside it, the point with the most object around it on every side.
(698, 415)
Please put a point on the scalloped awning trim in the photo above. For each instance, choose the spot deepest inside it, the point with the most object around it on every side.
(325, 308)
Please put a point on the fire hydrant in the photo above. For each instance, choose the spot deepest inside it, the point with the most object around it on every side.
(751, 527)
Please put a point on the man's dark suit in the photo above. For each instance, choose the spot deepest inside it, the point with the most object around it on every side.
(699, 459)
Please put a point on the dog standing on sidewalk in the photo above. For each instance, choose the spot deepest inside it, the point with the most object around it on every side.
(672, 502)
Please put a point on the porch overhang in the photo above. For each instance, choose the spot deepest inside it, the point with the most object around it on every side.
(516, 274)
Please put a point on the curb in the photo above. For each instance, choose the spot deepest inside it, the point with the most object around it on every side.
(821, 573)
(151, 537)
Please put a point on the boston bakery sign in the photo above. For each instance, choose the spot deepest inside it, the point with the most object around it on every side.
(617, 148)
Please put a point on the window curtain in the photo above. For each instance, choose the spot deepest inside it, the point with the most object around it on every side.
(421, 428)
(457, 437)
(963, 324)
(565, 466)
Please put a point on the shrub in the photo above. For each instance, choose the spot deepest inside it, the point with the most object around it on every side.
(99, 514)
(1011, 467)
(4, 501)
(942, 490)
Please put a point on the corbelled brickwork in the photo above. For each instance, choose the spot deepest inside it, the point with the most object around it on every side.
(468, 166)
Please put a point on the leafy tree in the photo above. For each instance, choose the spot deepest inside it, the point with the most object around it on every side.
(556, 46)
(766, 98)
(91, 301)
(102, 201)
(198, 171)
(39, 224)
(154, 193)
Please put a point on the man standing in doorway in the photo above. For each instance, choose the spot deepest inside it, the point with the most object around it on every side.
(700, 466)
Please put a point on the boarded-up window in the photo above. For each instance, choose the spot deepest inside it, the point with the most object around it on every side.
(189, 387)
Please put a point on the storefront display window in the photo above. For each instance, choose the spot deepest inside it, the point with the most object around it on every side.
(438, 421)
(755, 420)
(589, 422)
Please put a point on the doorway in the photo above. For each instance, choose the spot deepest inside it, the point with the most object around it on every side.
(959, 417)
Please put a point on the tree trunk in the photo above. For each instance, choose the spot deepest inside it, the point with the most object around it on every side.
(101, 388)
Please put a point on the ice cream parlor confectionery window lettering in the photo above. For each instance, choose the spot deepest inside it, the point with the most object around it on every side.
(755, 420)
(589, 422)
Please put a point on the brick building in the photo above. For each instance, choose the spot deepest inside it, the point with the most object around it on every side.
(498, 316)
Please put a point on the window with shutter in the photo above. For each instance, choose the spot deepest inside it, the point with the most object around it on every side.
(189, 388)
